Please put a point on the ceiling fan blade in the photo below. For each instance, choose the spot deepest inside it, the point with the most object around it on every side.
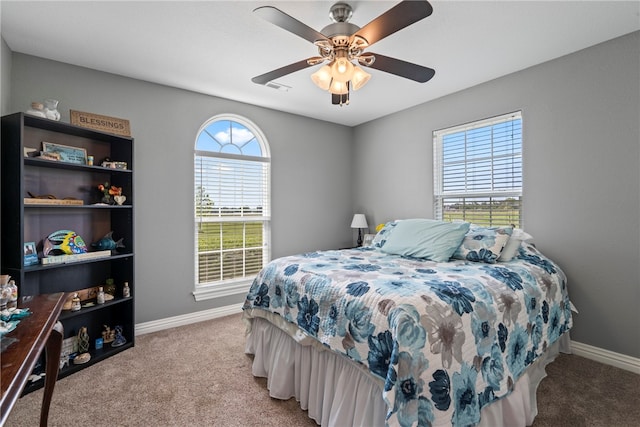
(263, 79)
(289, 23)
(402, 68)
(398, 17)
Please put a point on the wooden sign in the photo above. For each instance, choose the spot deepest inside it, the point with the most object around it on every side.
(101, 123)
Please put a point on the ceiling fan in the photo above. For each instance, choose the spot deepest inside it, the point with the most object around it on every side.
(342, 43)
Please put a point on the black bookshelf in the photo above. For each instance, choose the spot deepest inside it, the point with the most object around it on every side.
(22, 222)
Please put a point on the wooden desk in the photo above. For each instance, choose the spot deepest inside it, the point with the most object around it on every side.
(34, 334)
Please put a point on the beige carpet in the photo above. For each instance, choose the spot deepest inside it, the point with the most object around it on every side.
(198, 375)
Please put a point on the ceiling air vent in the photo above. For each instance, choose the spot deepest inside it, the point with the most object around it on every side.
(278, 86)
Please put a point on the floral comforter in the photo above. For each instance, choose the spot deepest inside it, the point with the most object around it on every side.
(446, 338)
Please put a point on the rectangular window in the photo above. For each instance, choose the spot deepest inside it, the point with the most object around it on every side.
(478, 171)
(232, 217)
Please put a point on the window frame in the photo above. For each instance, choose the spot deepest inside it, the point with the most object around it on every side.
(440, 194)
(233, 286)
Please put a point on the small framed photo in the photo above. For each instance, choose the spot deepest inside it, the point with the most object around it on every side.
(67, 154)
(30, 254)
(368, 239)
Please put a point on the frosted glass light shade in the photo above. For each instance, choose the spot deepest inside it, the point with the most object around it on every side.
(342, 70)
(322, 77)
(360, 78)
(359, 221)
(339, 88)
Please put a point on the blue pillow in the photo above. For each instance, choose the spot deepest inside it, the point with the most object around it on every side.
(425, 238)
(483, 244)
(383, 234)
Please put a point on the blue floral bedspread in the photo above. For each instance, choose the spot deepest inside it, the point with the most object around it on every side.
(447, 338)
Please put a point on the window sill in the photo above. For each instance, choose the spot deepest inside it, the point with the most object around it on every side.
(219, 290)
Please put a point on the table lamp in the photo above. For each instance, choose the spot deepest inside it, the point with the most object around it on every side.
(359, 222)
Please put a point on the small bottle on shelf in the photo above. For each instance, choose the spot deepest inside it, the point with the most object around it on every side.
(75, 302)
(100, 299)
(13, 301)
(126, 291)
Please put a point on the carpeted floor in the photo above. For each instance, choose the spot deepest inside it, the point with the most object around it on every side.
(198, 375)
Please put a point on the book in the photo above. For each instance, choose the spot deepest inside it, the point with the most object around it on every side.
(64, 202)
(65, 259)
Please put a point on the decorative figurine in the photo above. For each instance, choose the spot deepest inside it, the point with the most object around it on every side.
(110, 287)
(126, 291)
(83, 347)
(83, 340)
(75, 303)
(64, 242)
(51, 109)
(108, 192)
(108, 335)
(120, 339)
(107, 243)
(64, 360)
(37, 109)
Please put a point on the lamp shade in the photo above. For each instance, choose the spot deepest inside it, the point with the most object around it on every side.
(322, 77)
(342, 70)
(339, 88)
(360, 78)
(359, 221)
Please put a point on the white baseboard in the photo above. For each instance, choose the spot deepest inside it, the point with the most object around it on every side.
(607, 357)
(186, 319)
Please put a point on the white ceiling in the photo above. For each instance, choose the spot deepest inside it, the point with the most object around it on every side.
(216, 47)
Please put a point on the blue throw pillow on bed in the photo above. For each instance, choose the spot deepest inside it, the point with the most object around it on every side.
(483, 244)
(426, 238)
(381, 237)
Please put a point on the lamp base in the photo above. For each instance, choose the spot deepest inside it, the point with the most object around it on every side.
(359, 237)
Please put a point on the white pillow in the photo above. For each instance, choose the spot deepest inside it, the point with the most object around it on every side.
(511, 248)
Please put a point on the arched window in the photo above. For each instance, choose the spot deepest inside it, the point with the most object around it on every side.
(232, 205)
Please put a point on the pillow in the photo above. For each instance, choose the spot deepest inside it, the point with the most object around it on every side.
(425, 238)
(511, 249)
(483, 244)
(383, 234)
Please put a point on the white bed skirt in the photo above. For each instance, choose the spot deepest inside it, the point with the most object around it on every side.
(337, 392)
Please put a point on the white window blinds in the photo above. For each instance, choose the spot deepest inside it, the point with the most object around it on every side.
(231, 210)
(478, 171)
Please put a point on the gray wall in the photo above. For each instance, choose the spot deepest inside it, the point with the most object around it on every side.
(581, 182)
(5, 77)
(311, 208)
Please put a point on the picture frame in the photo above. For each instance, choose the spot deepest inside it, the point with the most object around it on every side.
(67, 153)
(368, 239)
(30, 254)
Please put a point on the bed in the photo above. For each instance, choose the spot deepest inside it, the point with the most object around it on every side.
(430, 325)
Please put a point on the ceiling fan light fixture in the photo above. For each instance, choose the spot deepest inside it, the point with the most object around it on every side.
(341, 46)
(322, 77)
(360, 78)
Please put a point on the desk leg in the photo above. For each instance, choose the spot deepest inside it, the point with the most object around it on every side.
(53, 348)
